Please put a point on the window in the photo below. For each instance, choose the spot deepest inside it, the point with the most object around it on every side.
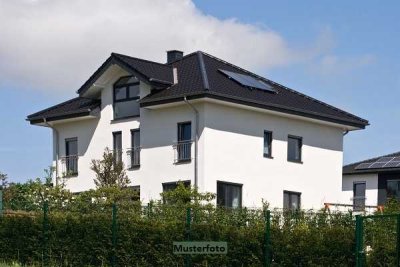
(173, 185)
(71, 156)
(184, 145)
(229, 195)
(136, 192)
(126, 95)
(134, 151)
(291, 200)
(393, 189)
(267, 144)
(117, 146)
(294, 148)
(359, 196)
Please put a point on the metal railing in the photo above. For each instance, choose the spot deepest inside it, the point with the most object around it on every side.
(183, 151)
(69, 165)
(133, 154)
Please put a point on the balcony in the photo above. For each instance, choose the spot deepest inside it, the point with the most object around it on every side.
(69, 165)
(183, 151)
(117, 155)
(133, 154)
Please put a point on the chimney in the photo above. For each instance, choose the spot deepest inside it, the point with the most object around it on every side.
(174, 55)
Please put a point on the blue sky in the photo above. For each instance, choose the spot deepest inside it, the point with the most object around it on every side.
(349, 58)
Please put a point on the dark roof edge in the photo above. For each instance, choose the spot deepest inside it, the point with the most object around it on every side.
(369, 171)
(54, 106)
(203, 70)
(62, 117)
(238, 100)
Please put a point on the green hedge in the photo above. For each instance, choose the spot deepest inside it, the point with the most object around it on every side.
(144, 238)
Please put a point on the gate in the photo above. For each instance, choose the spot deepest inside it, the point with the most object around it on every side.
(378, 240)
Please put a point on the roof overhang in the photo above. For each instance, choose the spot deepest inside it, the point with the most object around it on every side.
(89, 114)
(334, 121)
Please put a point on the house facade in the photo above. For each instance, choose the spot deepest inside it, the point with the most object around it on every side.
(206, 122)
(372, 182)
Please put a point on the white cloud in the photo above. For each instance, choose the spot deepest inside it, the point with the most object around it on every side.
(55, 45)
(334, 65)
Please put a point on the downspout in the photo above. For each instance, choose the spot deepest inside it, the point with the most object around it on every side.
(57, 146)
(196, 140)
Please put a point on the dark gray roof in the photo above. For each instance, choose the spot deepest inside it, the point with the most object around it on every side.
(75, 107)
(351, 168)
(199, 76)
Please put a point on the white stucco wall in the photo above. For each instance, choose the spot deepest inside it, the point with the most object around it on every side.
(230, 149)
(371, 183)
(234, 153)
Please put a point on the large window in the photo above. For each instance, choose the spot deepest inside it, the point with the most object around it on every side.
(184, 145)
(393, 189)
(359, 196)
(117, 146)
(267, 144)
(229, 195)
(71, 156)
(291, 200)
(170, 186)
(126, 95)
(134, 151)
(295, 144)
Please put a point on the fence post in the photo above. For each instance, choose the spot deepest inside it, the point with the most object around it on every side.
(1, 201)
(188, 221)
(267, 238)
(45, 234)
(398, 241)
(114, 235)
(359, 241)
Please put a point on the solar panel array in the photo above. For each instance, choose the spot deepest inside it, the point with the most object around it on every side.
(248, 81)
(381, 163)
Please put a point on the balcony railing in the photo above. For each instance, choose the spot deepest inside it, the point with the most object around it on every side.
(133, 154)
(183, 151)
(69, 165)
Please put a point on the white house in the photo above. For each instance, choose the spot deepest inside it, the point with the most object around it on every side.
(204, 121)
(373, 181)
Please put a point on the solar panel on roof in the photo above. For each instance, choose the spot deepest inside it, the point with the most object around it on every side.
(381, 163)
(248, 81)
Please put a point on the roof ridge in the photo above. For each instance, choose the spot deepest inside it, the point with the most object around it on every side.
(203, 71)
(371, 159)
(140, 59)
(285, 87)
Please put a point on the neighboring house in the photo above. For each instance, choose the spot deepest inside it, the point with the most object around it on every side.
(204, 121)
(372, 181)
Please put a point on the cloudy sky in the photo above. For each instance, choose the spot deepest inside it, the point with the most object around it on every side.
(340, 52)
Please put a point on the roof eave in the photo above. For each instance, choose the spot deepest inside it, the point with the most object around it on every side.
(160, 101)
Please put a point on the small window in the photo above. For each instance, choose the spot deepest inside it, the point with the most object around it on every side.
(359, 196)
(393, 189)
(117, 146)
(126, 95)
(184, 144)
(267, 144)
(229, 195)
(294, 148)
(173, 185)
(291, 200)
(134, 151)
(71, 156)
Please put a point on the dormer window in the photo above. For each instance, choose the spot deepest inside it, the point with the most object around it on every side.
(126, 96)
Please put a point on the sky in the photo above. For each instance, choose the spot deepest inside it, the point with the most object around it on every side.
(342, 52)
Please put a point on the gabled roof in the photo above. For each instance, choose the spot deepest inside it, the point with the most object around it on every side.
(199, 75)
(157, 74)
(76, 107)
(351, 168)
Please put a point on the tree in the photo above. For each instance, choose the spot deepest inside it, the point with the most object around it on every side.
(110, 171)
(3, 180)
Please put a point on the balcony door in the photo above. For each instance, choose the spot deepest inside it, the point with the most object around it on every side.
(359, 196)
(71, 153)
